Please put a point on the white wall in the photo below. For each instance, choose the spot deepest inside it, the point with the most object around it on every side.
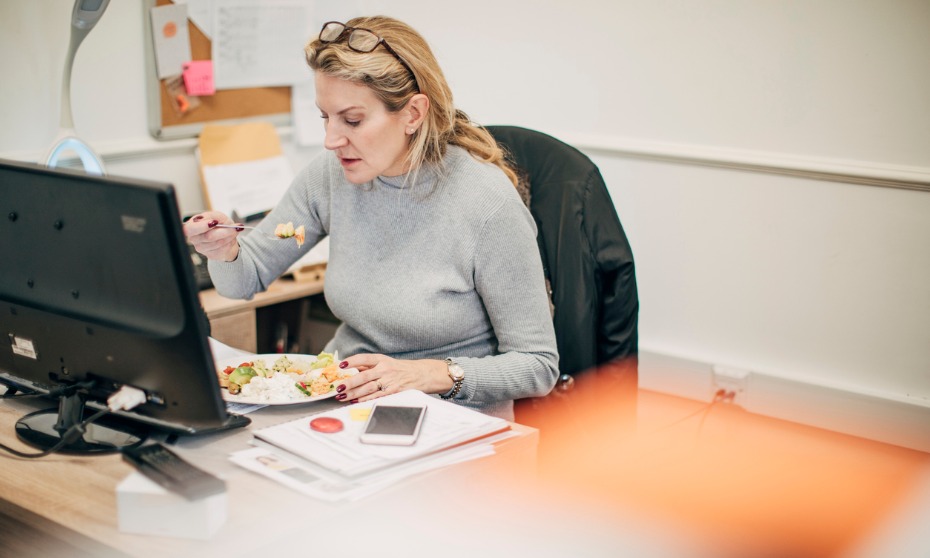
(753, 262)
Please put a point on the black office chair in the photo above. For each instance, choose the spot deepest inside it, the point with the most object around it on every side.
(586, 255)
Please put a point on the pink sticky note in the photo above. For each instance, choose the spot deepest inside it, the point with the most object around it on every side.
(198, 77)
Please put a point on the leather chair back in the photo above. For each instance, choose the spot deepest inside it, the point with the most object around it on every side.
(588, 259)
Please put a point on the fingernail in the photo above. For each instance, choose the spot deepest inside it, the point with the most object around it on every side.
(354, 401)
(240, 229)
(343, 364)
(197, 218)
(340, 388)
(213, 223)
(340, 397)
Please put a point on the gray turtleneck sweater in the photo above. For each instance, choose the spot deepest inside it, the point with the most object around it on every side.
(440, 263)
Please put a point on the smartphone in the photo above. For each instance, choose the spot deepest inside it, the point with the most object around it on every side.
(393, 425)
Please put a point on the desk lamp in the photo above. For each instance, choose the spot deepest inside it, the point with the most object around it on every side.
(84, 17)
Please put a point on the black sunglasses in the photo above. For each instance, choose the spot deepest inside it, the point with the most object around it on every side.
(360, 40)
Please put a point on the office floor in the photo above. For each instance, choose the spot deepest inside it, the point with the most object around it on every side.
(742, 484)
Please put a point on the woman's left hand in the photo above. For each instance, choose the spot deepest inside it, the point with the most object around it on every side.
(380, 375)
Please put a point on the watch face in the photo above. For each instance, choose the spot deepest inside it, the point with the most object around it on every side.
(456, 371)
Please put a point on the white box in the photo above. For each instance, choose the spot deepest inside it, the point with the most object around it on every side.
(144, 507)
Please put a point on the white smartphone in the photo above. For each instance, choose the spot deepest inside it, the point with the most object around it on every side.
(393, 425)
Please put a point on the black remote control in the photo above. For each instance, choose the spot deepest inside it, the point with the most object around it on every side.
(172, 472)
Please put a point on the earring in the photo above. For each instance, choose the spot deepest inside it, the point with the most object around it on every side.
(410, 130)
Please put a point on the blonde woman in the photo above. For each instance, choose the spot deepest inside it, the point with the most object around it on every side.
(434, 269)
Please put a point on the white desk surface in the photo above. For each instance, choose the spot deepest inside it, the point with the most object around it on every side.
(484, 507)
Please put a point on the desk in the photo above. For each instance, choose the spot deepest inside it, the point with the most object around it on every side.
(233, 322)
(71, 500)
(692, 480)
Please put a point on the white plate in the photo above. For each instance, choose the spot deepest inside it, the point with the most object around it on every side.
(269, 361)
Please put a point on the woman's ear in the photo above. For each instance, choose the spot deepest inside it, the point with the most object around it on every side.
(417, 108)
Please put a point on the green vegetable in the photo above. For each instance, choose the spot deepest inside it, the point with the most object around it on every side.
(242, 375)
(303, 387)
(322, 361)
(261, 370)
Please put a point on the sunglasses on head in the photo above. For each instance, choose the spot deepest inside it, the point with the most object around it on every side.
(359, 40)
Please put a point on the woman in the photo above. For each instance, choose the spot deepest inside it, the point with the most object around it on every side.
(434, 269)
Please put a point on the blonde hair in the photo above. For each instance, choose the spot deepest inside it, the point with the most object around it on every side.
(394, 85)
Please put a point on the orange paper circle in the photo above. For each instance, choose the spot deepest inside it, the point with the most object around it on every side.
(326, 425)
(169, 30)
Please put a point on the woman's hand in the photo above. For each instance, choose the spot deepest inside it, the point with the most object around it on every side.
(380, 375)
(215, 244)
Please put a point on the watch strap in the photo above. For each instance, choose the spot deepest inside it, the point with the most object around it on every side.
(457, 383)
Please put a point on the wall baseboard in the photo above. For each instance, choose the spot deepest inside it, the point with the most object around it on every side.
(895, 420)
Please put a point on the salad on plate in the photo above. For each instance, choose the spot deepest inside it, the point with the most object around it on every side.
(281, 378)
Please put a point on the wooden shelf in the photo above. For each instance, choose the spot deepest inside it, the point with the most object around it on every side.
(233, 322)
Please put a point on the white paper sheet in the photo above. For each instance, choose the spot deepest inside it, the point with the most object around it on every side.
(259, 43)
(445, 425)
(172, 39)
(201, 13)
(310, 479)
(308, 126)
(249, 187)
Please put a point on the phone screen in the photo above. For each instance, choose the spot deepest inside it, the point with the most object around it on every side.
(397, 421)
(393, 425)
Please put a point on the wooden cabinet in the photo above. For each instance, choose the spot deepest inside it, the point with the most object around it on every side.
(236, 322)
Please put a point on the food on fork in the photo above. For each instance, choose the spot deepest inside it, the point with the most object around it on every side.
(288, 231)
(284, 230)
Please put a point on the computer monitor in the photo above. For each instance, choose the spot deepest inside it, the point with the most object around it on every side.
(98, 292)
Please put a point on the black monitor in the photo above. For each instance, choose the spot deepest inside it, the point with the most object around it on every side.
(98, 292)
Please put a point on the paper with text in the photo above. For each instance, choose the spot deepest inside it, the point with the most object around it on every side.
(260, 43)
(445, 426)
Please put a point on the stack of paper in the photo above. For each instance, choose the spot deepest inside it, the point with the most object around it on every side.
(338, 466)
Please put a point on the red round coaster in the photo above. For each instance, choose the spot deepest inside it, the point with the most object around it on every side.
(326, 425)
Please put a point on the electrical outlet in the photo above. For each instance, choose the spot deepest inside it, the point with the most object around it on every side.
(733, 382)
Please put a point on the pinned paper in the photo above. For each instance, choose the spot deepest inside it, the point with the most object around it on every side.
(260, 44)
(305, 115)
(201, 13)
(198, 77)
(172, 38)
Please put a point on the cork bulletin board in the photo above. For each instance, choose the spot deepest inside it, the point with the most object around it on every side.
(225, 106)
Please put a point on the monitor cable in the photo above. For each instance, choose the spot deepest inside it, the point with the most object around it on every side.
(123, 399)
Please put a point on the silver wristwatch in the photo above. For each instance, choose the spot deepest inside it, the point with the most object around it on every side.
(457, 375)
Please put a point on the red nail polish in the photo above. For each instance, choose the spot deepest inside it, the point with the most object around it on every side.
(340, 396)
(340, 388)
(240, 229)
(343, 364)
(197, 218)
(354, 401)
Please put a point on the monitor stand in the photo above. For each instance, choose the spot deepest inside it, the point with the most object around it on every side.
(44, 429)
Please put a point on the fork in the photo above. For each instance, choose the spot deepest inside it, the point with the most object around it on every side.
(237, 227)
(245, 227)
